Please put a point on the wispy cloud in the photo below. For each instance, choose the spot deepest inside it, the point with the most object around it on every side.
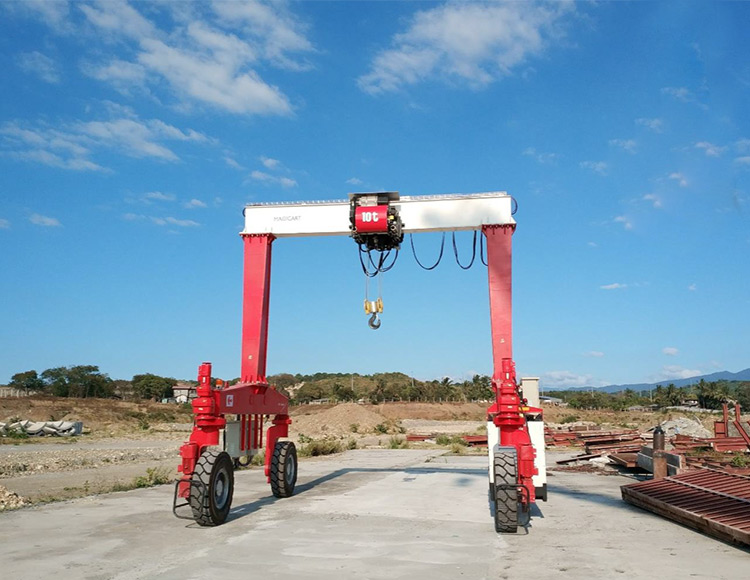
(679, 178)
(469, 43)
(212, 56)
(594, 354)
(653, 199)
(628, 145)
(710, 149)
(655, 125)
(671, 372)
(269, 163)
(615, 286)
(194, 204)
(543, 158)
(599, 167)
(72, 145)
(161, 221)
(233, 163)
(563, 379)
(354, 181)
(680, 93)
(43, 220)
(267, 178)
(625, 221)
(745, 160)
(670, 351)
(39, 65)
(4, 224)
(692, 287)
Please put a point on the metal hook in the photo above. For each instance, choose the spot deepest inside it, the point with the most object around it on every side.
(374, 321)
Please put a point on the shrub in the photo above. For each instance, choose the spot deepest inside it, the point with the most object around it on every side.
(351, 443)
(458, 449)
(740, 461)
(154, 476)
(354, 427)
(396, 442)
(317, 447)
(381, 428)
(569, 419)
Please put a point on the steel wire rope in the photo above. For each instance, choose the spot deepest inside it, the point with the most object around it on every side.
(440, 257)
(473, 252)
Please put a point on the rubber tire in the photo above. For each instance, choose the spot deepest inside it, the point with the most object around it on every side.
(283, 469)
(211, 495)
(506, 499)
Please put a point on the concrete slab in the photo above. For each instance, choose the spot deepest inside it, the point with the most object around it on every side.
(366, 514)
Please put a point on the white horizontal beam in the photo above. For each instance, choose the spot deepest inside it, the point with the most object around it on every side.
(436, 213)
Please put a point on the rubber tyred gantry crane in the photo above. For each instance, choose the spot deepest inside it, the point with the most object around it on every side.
(377, 222)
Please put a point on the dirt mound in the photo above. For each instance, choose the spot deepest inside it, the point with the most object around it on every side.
(343, 419)
(435, 411)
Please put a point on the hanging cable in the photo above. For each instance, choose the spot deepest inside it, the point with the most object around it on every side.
(378, 266)
(481, 249)
(473, 252)
(440, 257)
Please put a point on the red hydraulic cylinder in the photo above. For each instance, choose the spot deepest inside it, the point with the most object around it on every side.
(255, 302)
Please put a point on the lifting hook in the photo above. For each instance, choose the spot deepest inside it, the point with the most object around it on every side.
(374, 321)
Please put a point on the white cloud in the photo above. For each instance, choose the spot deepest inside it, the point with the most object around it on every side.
(745, 160)
(653, 199)
(615, 286)
(710, 149)
(599, 167)
(194, 203)
(161, 221)
(679, 178)
(270, 163)
(692, 287)
(628, 145)
(158, 196)
(4, 224)
(40, 65)
(543, 158)
(671, 372)
(743, 145)
(625, 221)
(680, 93)
(267, 178)
(670, 351)
(211, 55)
(471, 43)
(354, 181)
(72, 145)
(233, 164)
(43, 220)
(594, 354)
(563, 379)
(655, 125)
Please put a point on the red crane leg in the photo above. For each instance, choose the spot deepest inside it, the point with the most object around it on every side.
(507, 412)
(255, 302)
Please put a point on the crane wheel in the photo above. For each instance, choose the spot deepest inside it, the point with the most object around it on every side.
(212, 487)
(506, 493)
(283, 469)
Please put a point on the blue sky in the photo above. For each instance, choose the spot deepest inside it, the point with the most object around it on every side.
(131, 136)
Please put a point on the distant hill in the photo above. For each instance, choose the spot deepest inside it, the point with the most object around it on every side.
(743, 375)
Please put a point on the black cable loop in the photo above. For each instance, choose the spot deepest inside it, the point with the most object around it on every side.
(481, 249)
(440, 257)
(378, 268)
(364, 266)
(473, 252)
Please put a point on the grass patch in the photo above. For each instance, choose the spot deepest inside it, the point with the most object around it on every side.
(154, 476)
(569, 419)
(450, 440)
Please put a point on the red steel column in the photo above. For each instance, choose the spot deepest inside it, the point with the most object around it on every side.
(499, 258)
(255, 302)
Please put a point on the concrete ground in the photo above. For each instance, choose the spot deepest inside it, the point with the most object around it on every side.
(379, 514)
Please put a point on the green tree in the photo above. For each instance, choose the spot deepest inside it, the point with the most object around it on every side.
(77, 381)
(148, 386)
(28, 381)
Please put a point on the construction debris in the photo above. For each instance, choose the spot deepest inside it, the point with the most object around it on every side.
(10, 500)
(41, 428)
